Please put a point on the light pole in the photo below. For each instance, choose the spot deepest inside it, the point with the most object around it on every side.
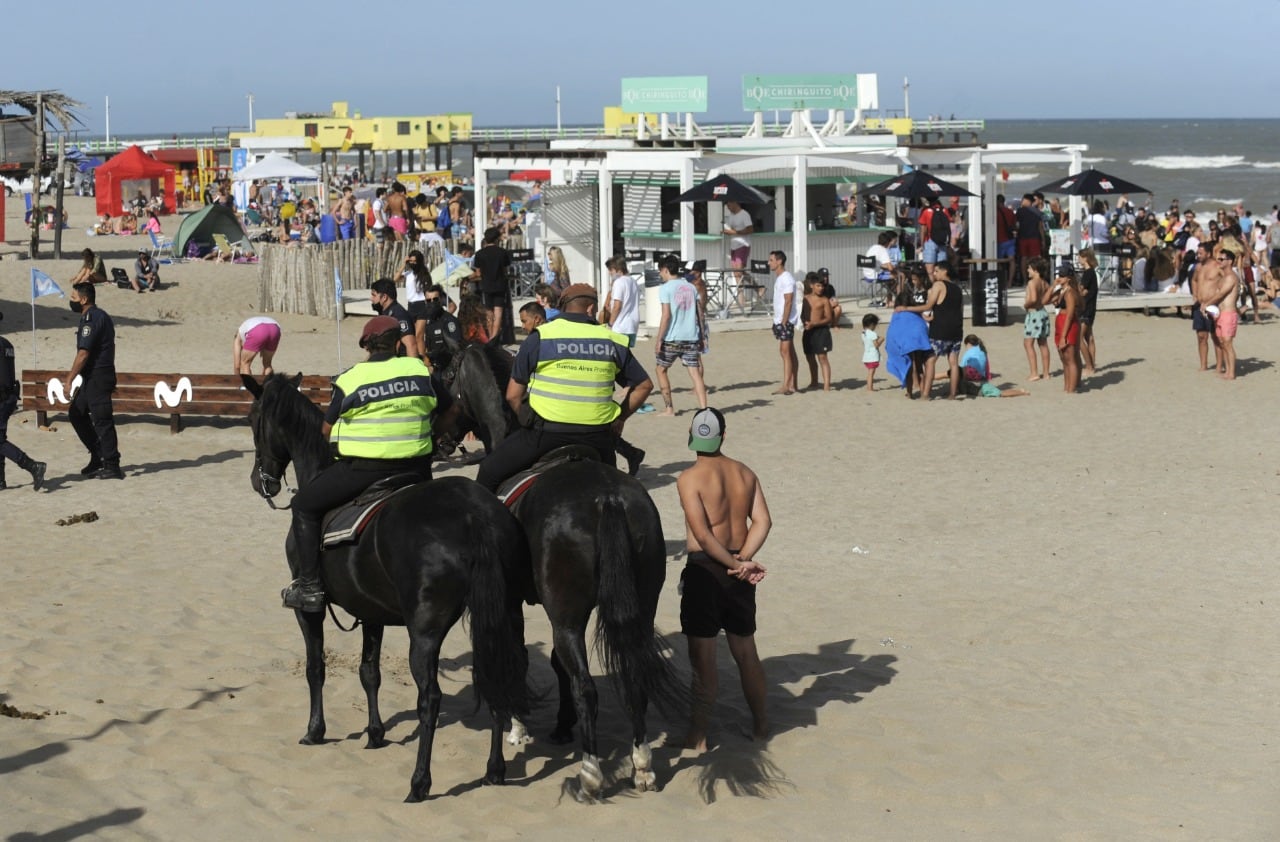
(250, 113)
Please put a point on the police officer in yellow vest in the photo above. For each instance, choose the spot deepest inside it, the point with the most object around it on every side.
(379, 422)
(569, 368)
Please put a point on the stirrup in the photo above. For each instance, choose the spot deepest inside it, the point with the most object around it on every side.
(303, 595)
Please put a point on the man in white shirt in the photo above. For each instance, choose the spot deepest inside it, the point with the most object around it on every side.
(786, 315)
(738, 226)
(882, 272)
(624, 306)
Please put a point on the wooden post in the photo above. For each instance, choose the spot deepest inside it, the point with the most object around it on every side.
(57, 204)
(35, 179)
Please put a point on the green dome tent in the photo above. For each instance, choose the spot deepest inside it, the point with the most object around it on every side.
(204, 223)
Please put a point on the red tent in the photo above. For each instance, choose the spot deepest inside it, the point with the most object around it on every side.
(132, 165)
(531, 175)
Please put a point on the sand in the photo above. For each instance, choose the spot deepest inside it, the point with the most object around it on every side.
(1050, 617)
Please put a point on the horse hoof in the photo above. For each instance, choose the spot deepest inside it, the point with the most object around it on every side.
(561, 736)
(310, 740)
(646, 782)
(375, 742)
(415, 797)
(494, 779)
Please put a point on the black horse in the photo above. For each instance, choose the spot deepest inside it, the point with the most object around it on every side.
(476, 377)
(433, 550)
(596, 542)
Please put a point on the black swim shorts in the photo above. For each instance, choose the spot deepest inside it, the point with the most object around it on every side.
(816, 340)
(711, 600)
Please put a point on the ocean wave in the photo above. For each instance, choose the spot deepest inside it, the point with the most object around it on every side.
(1266, 165)
(1216, 202)
(1190, 162)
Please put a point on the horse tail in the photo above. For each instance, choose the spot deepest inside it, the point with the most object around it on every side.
(628, 644)
(500, 664)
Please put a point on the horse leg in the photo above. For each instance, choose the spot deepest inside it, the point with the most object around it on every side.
(371, 680)
(424, 662)
(312, 625)
(572, 645)
(567, 714)
(642, 777)
(496, 771)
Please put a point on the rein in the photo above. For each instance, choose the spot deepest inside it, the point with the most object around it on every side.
(354, 625)
(264, 478)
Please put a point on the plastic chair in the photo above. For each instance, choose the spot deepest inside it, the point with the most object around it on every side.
(225, 246)
(161, 248)
(868, 288)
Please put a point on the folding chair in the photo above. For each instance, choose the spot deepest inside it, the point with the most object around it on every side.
(225, 246)
(867, 288)
(161, 248)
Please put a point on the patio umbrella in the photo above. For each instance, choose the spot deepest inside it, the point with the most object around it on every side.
(723, 188)
(916, 184)
(1091, 182)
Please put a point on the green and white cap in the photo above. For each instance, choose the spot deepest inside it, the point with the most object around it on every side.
(706, 431)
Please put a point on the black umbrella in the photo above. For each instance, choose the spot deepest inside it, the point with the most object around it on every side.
(1091, 182)
(916, 184)
(723, 188)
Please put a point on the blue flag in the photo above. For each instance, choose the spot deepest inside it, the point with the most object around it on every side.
(42, 284)
(453, 263)
(337, 286)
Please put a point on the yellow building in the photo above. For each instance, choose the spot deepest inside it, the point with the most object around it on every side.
(342, 131)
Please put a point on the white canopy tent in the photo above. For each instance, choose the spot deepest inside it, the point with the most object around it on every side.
(276, 167)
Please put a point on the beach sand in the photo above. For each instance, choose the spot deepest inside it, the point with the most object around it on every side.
(1046, 618)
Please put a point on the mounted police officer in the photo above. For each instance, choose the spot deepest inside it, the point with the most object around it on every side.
(568, 367)
(379, 422)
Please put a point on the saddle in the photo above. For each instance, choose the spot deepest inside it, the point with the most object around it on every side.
(512, 489)
(345, 524)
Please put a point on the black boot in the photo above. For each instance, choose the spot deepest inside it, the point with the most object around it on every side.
(95, 465)
(305, 593)
(37, 470)
(632, 454)
(109, 470)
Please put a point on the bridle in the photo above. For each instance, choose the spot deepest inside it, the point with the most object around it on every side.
(266, 481)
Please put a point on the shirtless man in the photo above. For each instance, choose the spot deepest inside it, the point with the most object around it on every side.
(1222, 287)
(344, 214)
(724, 508)
(397, 210)
(1201, 321)
(1035, 325)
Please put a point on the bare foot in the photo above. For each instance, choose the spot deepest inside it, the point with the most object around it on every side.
(1090, 371)
(669, 412)
(1033, 378)
(783, 392)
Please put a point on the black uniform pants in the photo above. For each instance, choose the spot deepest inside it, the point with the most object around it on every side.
(339, 483)
(9, 450)
(523, 447)
(91, 417)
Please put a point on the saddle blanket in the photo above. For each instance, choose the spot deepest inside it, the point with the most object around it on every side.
(345, 523)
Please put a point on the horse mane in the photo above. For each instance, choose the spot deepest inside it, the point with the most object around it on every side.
(292, 412)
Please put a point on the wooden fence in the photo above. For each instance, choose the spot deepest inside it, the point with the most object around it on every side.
(299, 279)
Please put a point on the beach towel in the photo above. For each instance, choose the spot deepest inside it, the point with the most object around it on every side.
(907, 333)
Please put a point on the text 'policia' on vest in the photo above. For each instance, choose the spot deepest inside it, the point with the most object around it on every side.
(386, 410)
(574, 379)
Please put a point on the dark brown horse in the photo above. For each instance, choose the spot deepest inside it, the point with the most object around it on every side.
(433, 550)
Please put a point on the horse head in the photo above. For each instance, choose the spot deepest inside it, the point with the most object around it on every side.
(271, 453)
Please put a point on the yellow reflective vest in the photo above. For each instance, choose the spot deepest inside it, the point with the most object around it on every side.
(573, 380)
(386, 410)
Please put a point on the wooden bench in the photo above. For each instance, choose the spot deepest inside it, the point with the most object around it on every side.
(175, 395)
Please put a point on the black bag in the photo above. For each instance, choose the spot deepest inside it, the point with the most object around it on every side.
(940, 227)
(121, 278)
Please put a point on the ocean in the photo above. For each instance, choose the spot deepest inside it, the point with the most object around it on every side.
(1205, 164)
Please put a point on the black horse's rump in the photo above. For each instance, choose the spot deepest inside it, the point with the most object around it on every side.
(433, 551)
(596, 544)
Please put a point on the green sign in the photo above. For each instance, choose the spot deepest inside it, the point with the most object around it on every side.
(793, 93)
(661, 94)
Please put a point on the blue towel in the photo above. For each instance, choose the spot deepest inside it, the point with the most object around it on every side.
(907, 333)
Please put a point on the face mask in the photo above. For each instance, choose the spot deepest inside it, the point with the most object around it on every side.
(433, 309)
(76, 306)
(377, 308)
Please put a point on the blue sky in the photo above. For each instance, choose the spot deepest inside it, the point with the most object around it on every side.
(167, 68)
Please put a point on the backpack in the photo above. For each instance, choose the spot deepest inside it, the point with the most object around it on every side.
(444, 222)
(940, 227)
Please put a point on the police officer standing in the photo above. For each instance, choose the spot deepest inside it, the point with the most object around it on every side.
(9, 389)
(569, 367)
(382, 295)
(380, 421)
(95, 362)
(441, 334)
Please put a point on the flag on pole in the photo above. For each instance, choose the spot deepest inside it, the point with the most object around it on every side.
(42, 284)
(453, 262)
(337, 286)
(337, 310)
